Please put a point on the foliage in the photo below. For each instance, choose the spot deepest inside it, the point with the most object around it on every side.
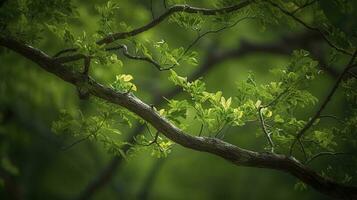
(276, 107)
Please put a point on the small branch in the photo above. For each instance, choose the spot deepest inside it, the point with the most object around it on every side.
(174, 9)
(304, 6)
(155, 138)
(265, 130)
(302, 149)
(352, 74)
(332, 117)
(152, 10)
(274, 101)
(308, 27)
(200, 36)
(326, 154)
(134, 57)
(86, 137)
(325, 102)
(86, 65)
(220, 130)
(70, 58)
(262, 121)
(65, 51)
(201, 129)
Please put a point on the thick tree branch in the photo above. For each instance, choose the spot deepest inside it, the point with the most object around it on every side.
(174, 9)
(232, 153)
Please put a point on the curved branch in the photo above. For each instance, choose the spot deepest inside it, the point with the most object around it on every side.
(174, 9)
(232, 153)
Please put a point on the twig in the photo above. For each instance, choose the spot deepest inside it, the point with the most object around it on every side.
(70, 58)
(201, 129)
(134, 57)
(200, 36)
(214, 31)
(152, 10)
(86, 65)
(325, 102)
(86, 137)
(309, 27)
(262, 121)
(155, 138)
(332, 117)
(304, 6)
(220, 130)
(266, 132)
(352, 74)
(274, 101)
(302, 149)
(325, 154)
(173, 9)
(65, 51)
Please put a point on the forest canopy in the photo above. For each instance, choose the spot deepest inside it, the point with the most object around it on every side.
(178, 99)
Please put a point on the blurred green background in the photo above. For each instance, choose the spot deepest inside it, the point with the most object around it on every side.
(31, 99)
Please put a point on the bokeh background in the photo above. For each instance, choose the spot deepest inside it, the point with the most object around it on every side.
(31, 99)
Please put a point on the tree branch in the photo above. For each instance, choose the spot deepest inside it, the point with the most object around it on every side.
(174, 9)
(308, 27)
(232, 153)
(304, 6)
(325, 102)
(265, 130)
(134, 57)
(328, 153)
